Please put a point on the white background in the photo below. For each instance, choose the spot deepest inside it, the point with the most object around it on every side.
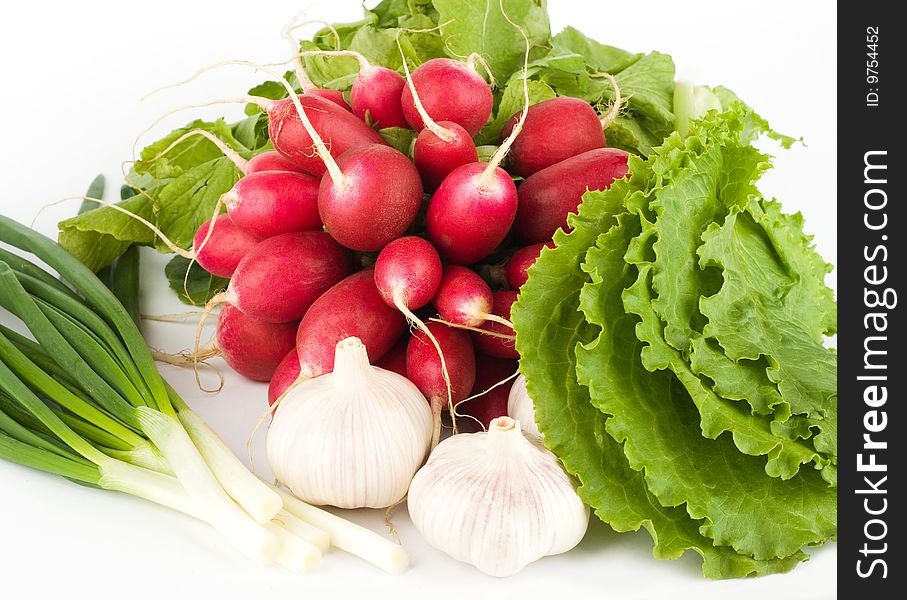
(72, 77)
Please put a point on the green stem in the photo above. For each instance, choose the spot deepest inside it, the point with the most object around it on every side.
(21, 265)
(15, 299)
(39, 356)
(97, 295)
(19, 392)
(92, 433)
(32, 375)
(20, 427)
(124, 282)
(88, 318)
(95, 353)
(36, 458)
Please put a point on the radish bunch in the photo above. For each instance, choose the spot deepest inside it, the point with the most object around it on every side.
(333, 196)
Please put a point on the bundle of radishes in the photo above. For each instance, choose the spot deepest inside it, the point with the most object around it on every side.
(373, 289)
(304, 219)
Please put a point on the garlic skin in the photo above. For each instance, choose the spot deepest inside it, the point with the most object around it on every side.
(521, 408)
(497, 500)
(351, 438)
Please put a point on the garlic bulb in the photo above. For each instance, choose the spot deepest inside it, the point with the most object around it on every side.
(351, 438)
(497, 500)
(521, 408)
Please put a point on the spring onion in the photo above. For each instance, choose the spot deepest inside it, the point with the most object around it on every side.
(82, 398)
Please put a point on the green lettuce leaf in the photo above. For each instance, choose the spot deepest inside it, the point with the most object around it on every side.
(469, 26)
(774, 303)
(550, 326)
(720, 169)
(653, 417)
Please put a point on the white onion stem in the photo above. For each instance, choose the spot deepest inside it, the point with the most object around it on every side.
(295, 553)
(216, 507)
(350, 537)
(305, 531)
(244, 487)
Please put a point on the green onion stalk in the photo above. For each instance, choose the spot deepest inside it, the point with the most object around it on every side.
(82, 398)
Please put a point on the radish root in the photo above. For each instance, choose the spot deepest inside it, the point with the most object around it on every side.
(388, 519)
(211, 67)
(190, 255)
(265, 104)
(196, 252)
(287, 33)
(444, 134)
(234, 156)
(617, 103)
(172, 317)
(503, 336)
(488, 173)
(185, 359)
(329, 162)
(479, 395)
(270, 410)
(220, 298)
(364, 64)
(435, 406)
(475, 58)
(294, 26)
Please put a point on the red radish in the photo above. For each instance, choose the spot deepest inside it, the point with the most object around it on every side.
(516, 267)
(471, 212)
(270, 203)
(408, 273)
(436, 155)
(370, 197)
(352, 308)
(375, 95)
(501, 347)
(284, 376)
(340, 130)
(547, 197)
(251, 347)
(443, 381)
(395, 358)
(334, 96)
(272, 160)
(492, 383)
(450, 90)
(282, 276)
(463, 298)
(219, 247)
(555, 130)
(441, 146)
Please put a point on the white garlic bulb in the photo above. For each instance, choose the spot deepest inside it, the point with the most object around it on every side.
(353, 437)
(497, 500)
(521, 408)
